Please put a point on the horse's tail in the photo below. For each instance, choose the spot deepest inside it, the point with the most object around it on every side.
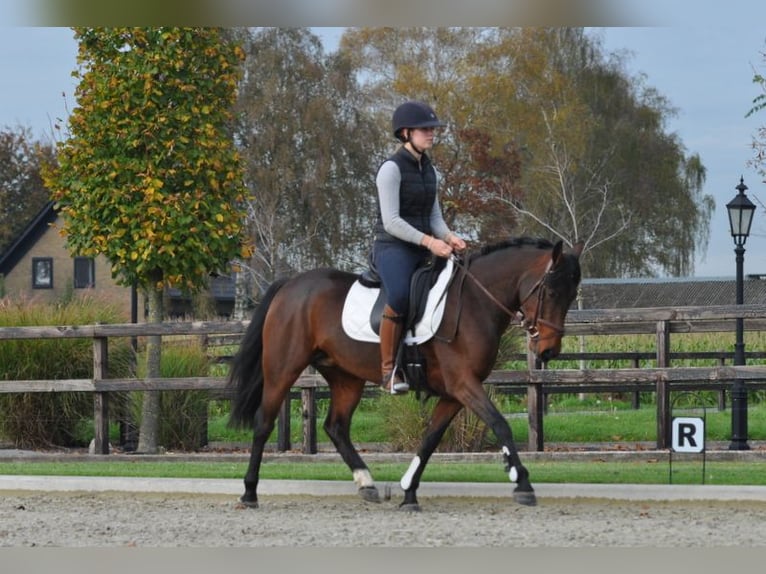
(246, 372)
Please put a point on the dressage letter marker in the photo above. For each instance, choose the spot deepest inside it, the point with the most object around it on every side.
(688, 434)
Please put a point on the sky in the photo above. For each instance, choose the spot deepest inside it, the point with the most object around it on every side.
(703, 62)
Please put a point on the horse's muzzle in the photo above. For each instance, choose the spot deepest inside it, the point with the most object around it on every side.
(545, 348)
(548, 354)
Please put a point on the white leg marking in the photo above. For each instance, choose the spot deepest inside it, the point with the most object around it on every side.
(363, 478)
(406, 481)
(513, 474)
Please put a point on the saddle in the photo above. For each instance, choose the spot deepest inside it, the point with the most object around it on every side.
(423, 279)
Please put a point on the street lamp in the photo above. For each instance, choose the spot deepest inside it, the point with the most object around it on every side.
(741, 211)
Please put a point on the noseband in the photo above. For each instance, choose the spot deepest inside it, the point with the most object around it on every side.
(531, 325)
(540, 286)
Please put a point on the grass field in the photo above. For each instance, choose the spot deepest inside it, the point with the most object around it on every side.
(595, 420)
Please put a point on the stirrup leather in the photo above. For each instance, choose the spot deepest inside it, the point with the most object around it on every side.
(391, 331)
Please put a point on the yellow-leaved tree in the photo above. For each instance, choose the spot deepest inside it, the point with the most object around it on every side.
(149, 175)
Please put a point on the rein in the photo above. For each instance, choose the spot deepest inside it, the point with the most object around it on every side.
(495, 300)
(539, 287)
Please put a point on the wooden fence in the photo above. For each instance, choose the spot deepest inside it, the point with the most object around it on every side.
(662, 323)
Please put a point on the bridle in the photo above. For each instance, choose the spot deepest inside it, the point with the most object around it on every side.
(540, 287)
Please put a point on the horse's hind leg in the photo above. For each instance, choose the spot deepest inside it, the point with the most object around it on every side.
(443, 413)
(261, 432)
(345, 394)
(277, 383)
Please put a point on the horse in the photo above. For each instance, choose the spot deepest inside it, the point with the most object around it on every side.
(298, 324)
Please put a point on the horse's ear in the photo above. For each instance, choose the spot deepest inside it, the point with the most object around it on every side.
(577, 248)
(557, 249)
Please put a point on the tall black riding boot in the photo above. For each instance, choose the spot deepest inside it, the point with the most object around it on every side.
(391, 329)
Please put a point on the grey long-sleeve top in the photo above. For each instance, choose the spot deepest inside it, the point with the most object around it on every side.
(388, 180)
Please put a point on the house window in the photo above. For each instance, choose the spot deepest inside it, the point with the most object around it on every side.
(42, 273)
(84, 273)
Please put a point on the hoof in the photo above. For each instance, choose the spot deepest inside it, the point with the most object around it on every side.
(369, 493)
(527, 498)
(409, 507)
(248, 503)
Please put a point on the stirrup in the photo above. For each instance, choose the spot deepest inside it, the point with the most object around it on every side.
(394, 386)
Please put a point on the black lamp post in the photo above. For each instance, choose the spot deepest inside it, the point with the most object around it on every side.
(741, 211)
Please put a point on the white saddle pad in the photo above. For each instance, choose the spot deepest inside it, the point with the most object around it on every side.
(360, 300)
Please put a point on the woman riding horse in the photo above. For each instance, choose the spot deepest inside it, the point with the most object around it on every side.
(410, 225)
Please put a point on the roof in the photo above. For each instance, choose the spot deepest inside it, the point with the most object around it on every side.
(27, 238)
(669, 292)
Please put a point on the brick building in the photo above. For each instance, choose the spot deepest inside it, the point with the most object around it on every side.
(37, 265)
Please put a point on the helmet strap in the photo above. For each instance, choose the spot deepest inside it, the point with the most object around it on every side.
(408, 140)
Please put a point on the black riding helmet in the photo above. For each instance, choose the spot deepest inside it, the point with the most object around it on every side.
(414, 115)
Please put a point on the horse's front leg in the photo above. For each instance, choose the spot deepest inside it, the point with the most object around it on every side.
(444, 411)
(345, 394)
(475, 398)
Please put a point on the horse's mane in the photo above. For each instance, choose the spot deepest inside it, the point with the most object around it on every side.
(515, 242)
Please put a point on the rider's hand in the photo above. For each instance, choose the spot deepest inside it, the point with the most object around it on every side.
(437, 246)
(455, 242)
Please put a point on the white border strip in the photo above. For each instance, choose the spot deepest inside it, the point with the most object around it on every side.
(235, 487)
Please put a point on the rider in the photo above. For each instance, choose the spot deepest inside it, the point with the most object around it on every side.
(410, 225)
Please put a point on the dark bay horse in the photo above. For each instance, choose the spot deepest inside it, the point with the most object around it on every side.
(298, 323)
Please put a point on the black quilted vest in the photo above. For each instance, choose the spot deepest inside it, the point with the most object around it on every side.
(417, 193)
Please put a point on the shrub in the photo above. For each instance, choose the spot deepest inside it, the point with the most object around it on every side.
(406, 419)
(183, 414)
(38, 420)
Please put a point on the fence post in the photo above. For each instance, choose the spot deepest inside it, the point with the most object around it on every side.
(309, 413)
(100, 399)
(636, 398)
(663, 388)
(722, 392)
(535, 408)
(283, 426)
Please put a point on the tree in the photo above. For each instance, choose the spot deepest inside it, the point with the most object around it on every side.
(596, 156)
(22, 193)
(577, 148)
(479, 161)
(567, 192)
(308, 157)
(149, 176)
(482, 186)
